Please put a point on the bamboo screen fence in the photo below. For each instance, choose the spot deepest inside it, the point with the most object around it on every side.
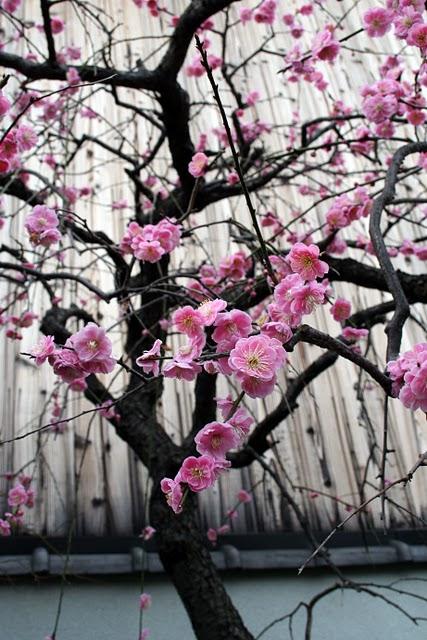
(332, 442)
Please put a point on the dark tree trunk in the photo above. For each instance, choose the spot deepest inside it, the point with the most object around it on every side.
(186, 559)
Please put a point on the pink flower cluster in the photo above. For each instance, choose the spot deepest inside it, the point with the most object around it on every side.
(152, 6)
(198, 164)
(213, 442)
(380, 100)
(18, 497)
(196, 69)
(346, 209)
(149, 361)
(192, 322)
(11, 5)
(325, 46)
(4, 105)
(87, 351)
(108, 411)
(21, 138)
(294, 298)
(232, 268)
(255, 362)
(151, 242)
(145, 601)
(266, 12)
(15, 323)
(42, 226)
(409, 376)
(341, 310)
(407, 18)
(390, 97)
(304, 260)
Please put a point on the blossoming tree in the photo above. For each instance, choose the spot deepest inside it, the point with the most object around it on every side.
(238, 319)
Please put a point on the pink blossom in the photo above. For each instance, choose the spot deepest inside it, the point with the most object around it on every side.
(408, 374)
(416, 118)
(256, 387)
(244, 496)
(198, 164)
(405, 21)
(198, 473)
(194, 69)
(26, 137)
(74, 53)
(168, 233)
(325, 46)
(16, 496)
(9, 146)
(11, 5)
(73, 76)
(91, 343)
(266, 12)
(245, 15)
(225, 528)
(210, 310)
(188, 320)
(181, 370)
(57, 25)
(148, 251)
(192, 349)
(378, 108)
(79, 384)
(234, 266)
(145, 601)
(257, 356)
(418, 5)
(25, 480)
(421, 252)
(241, 422)
(119, 204)
(417, 36)
(214, 62)
(27, 318)
(149, 361)
(377, 21)
(41, 225)
(145, 634)
(353, 334)
(304, 260)
(5, 529)
(67, 365)
(216, 439)
(279, 330)
(341, 309)
(31, 494)
(173, 492)
(148, 532)
(230, 326)
(413, 394)
(107, 410)
(43, 349)
(151, 242)
(252, 98)
(307, 297)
